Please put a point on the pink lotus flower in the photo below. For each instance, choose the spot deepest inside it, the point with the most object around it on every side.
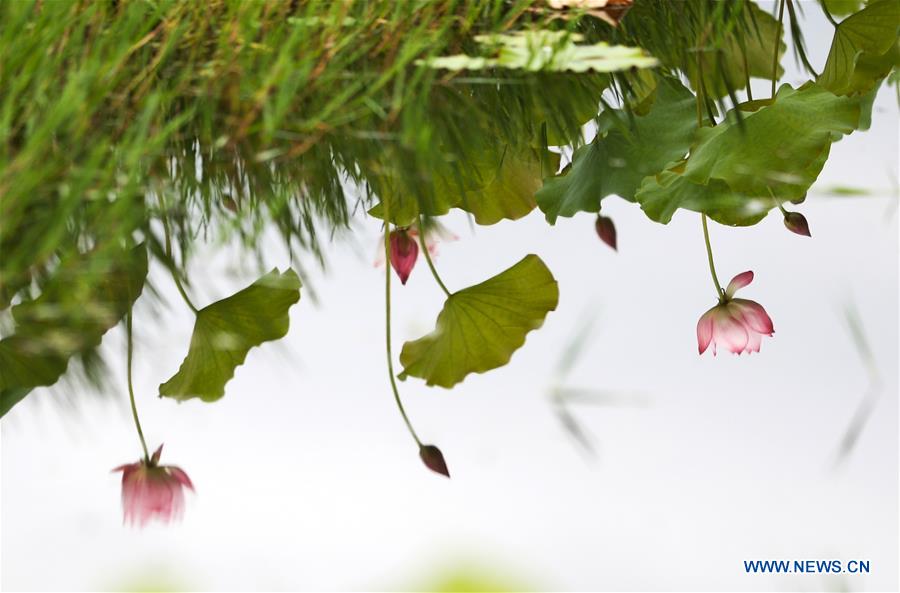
(152, 491)
(736, 324)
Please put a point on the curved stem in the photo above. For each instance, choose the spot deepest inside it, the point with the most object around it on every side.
(777, 45)
(182, 292)
(134, 413)
(709, 255)
(387, 317)
(171, 263)
(428, 257)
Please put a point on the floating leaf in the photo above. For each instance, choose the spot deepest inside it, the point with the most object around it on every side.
(406, 205)
(771, 151)
(543, 50)
(89, 294)
(481, 326)
(617, 161)
(859, 54)
(662, 195)
(497, 183)
(510, 183)
(226, 330)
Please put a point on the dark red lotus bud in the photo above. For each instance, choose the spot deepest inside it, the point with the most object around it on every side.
(404, 251)
(796, 223)
(606, 230)
(433, 459)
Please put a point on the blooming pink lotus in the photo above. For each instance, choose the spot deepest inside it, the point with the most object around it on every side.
(736, 324)
(150, 490)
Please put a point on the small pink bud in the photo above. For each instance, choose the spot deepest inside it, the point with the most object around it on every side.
(152, 491)
(796, 223)
(433, 459)
(404, 251)
(606, 230)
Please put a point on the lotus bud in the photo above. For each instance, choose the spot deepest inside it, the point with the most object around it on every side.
(796, 223)
(606, 230)
(433, 459)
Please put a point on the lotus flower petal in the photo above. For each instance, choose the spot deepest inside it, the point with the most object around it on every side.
(738, 282)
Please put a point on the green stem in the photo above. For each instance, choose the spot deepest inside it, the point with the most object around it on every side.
(777, 45)
(182, 292)
(709, 255)
(171, 263)
(747, 72)
(428, 257)
(387, 316)
(134, 412)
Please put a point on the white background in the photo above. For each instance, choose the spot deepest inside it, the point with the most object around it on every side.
(306, 478)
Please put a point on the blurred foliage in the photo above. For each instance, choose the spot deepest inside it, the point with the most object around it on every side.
(214, 121)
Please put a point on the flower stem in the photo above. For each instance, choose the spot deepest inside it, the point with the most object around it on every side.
(171, 263)
(777, 45)
(134, 413)
(428, 257)
(387, 316)
(709, 255)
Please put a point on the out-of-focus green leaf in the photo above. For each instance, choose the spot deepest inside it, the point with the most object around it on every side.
(88, 295)
(773, 149)
(736, 64)
(226, 330)
(622, 155)
(737, 172)
(406, 205)
(481, 326)
(660, 196)
(543, 50)
(842, 7)
(860, 52)
(497, 183)
(509, 184)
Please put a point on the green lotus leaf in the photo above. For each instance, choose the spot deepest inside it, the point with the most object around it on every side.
(772, 150)
(89, 294)
(481, 326)
(622, 155)
(861, 53)
(661, 195)
(226, 330)
(510, 181)
(492, 182)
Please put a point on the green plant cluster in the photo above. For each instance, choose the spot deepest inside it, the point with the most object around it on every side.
(133, 131)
